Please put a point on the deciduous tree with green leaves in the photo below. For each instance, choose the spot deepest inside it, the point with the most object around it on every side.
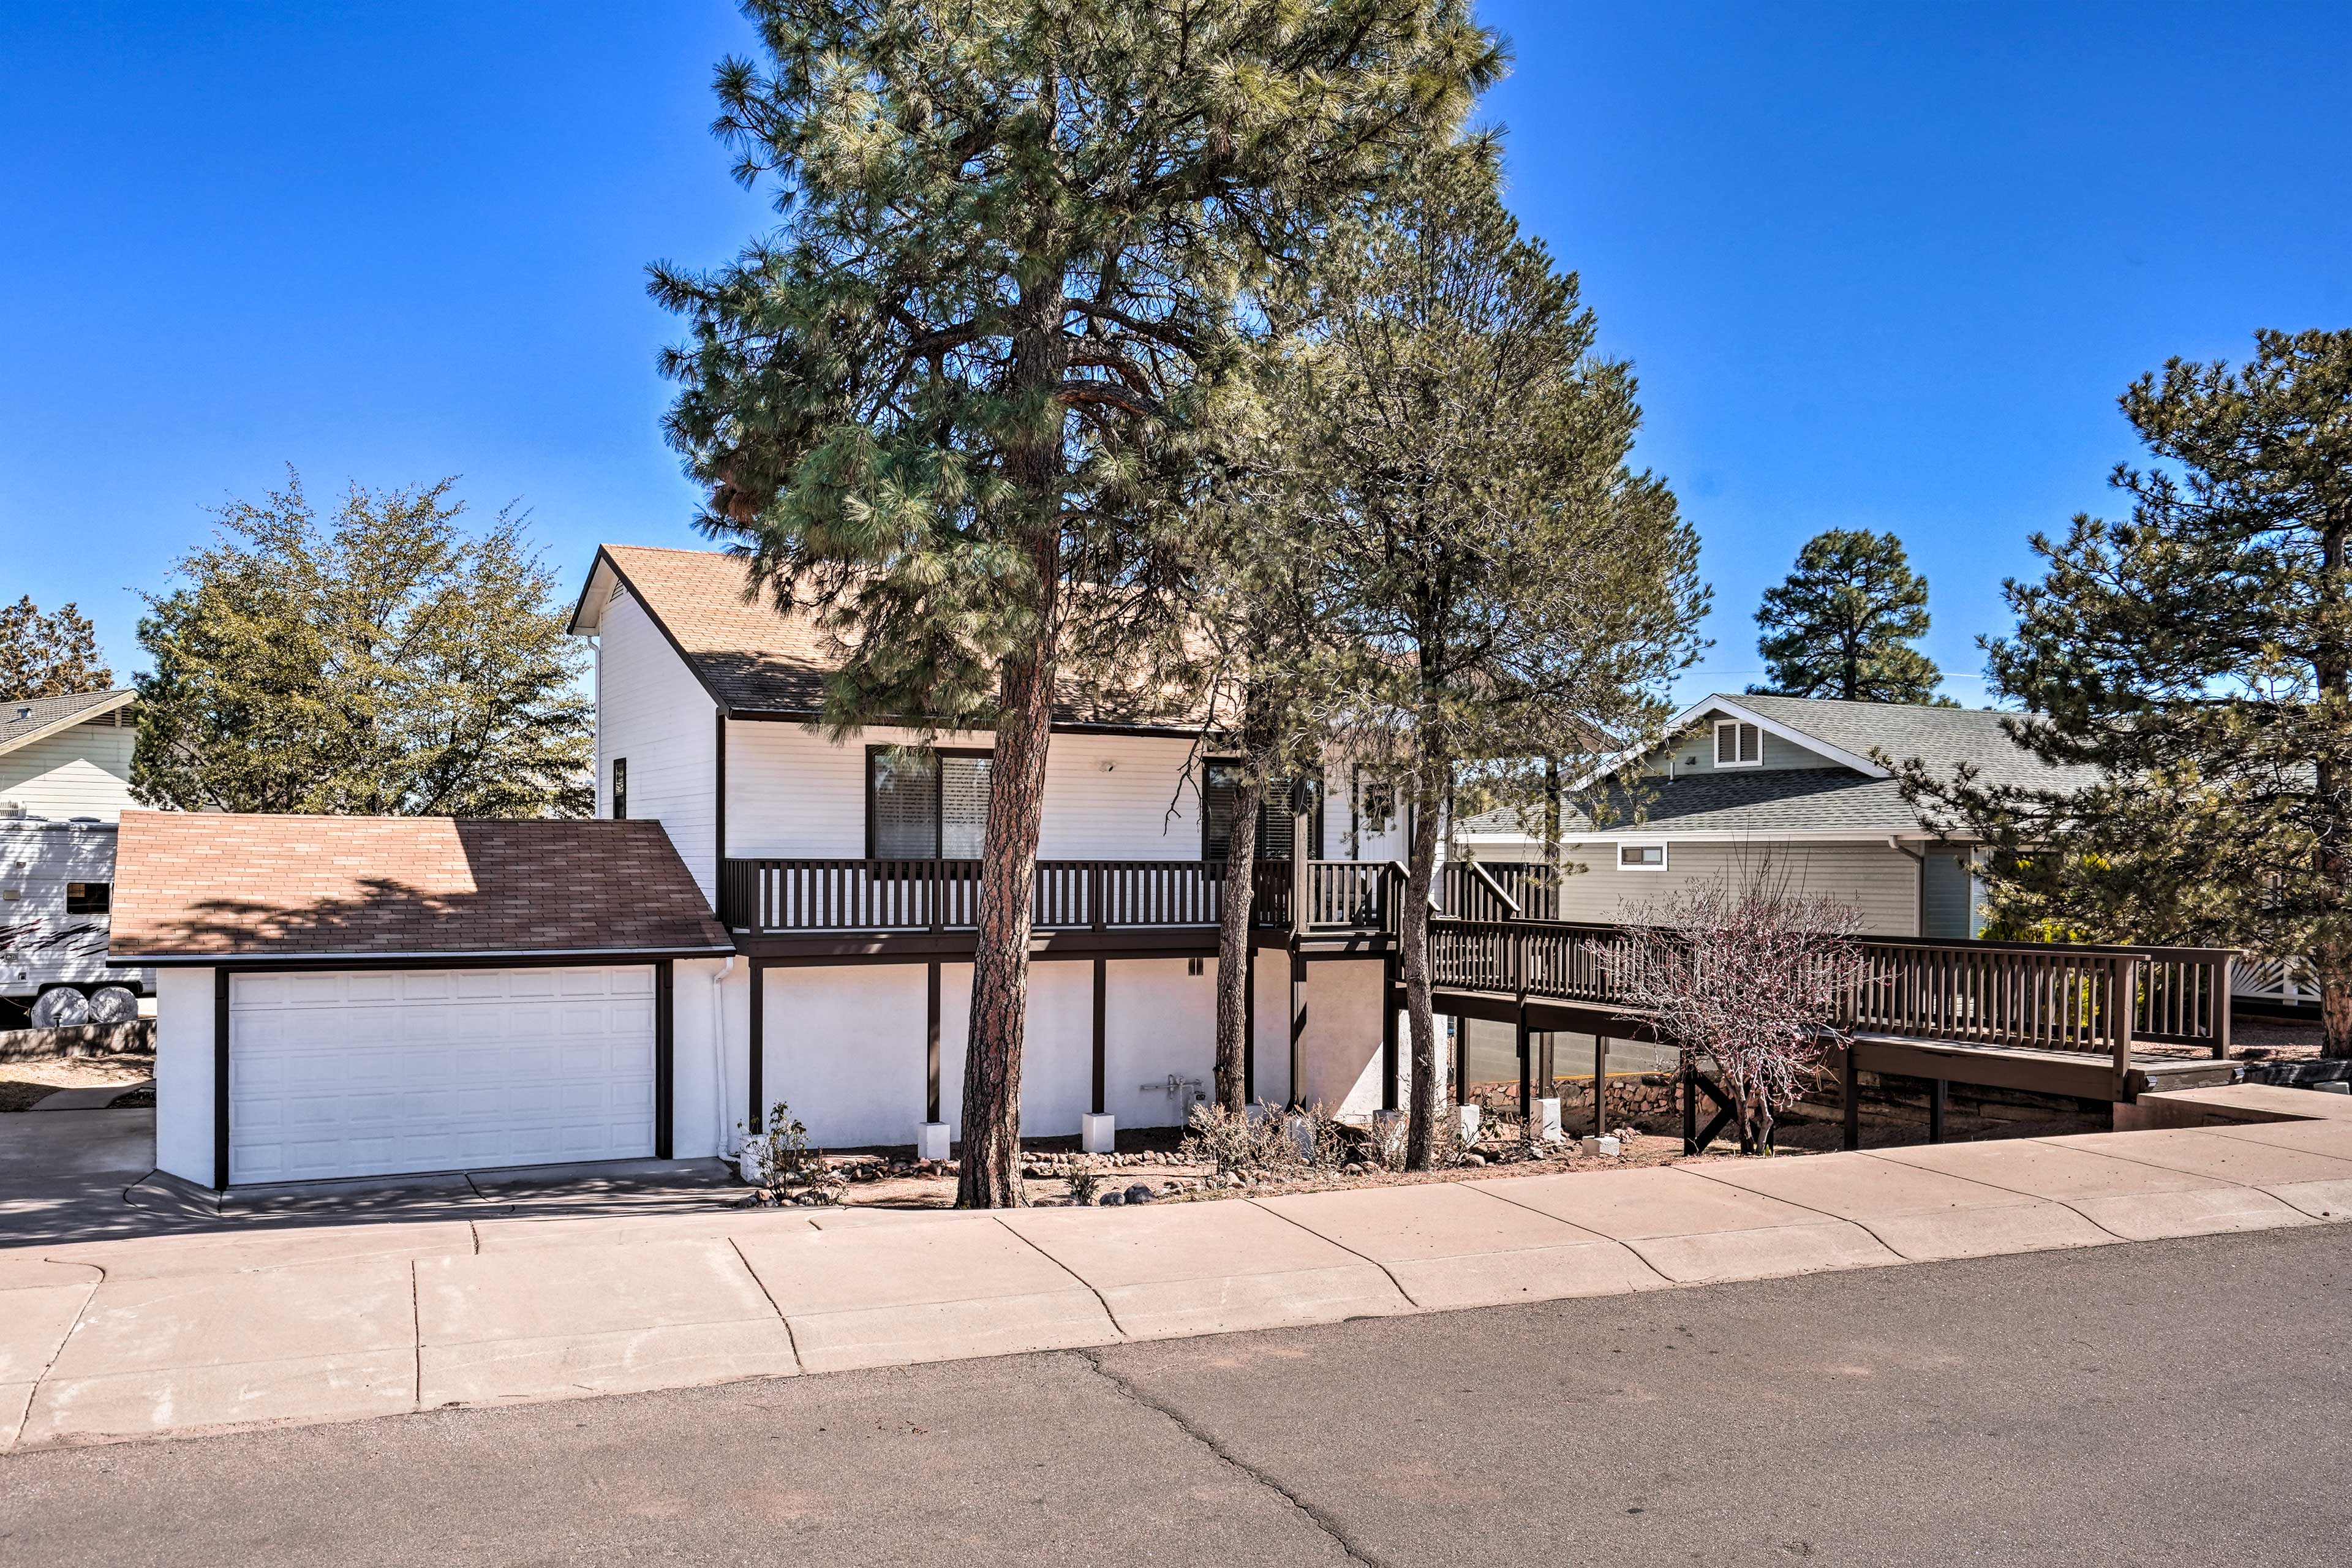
(1517, 591)
(379, 661)
(2196, 659)
(956, 405)
(52, 655)
(1843, 623)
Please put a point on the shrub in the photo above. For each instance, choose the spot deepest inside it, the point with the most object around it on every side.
(787, 1161)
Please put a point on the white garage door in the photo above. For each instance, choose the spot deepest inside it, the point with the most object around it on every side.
(380, 1072)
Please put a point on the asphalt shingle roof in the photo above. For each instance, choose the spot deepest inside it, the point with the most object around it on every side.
(1943, 738)
(756, 660)
(208, 885)
(21, 718)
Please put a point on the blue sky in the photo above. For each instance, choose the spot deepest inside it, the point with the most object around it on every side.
(1883, 265)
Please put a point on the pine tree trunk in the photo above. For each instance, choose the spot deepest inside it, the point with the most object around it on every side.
(2332, 961)
(990, 1173)
(1233, 944)
(1421, 1123)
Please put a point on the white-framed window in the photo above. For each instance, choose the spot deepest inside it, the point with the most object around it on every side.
(1737, 744)
(1640, 856)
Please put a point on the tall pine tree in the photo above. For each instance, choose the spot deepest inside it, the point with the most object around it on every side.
(1842, 624)
(956, 405)
(1519, 593)
(2198, 656)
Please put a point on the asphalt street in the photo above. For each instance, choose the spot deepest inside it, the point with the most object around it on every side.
(2182, 1402)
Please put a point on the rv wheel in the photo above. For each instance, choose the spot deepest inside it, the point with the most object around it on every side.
(60, 1008)
(113, 1005)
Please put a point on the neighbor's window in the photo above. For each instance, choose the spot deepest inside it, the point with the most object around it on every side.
(1640, 856)
(620, 789)
(925, 806)
(1738, 745)
(89, 898)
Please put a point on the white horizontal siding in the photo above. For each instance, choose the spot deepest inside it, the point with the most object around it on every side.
(653, 714)
(81, 772)
(792, 792)
(1881, 882)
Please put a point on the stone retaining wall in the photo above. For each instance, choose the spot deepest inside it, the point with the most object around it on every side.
(83, 1040)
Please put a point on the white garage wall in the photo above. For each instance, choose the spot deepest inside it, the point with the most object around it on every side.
(707, 1060)
(184, 1074)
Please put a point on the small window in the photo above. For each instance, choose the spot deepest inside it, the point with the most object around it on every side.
(89, 898)
(1738, 745)
(1640, 856)
(620, 789)
(1196, 967)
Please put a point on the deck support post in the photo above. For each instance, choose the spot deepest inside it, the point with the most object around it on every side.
(1527, 1067)
(755, 1067)
(1102, 997)
(1388, 1033)
(931, 1043)
(1297, 1022)
(1690, 1106)
(1850, 1090)
(664, 1054)
(1249, 1020)
(1936, 1098)
(1600, 1085)
(1456, 1026)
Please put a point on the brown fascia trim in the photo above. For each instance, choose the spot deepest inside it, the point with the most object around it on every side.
(507, 959)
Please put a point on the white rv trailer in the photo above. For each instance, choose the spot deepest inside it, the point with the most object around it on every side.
(64, 777)
(57, 887)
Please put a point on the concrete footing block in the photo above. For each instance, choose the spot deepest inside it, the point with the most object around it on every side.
(1605, 1144)
(931, 1140)
(1545, 1120)
(1098, 1134)
(1468, 1117)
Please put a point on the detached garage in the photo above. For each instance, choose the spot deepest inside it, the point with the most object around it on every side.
(341, 997)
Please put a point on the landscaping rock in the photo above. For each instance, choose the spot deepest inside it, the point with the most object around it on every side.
(1111, 1200)
(1140, 1193)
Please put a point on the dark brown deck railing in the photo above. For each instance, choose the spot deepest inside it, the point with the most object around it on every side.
(791, 897)
(2087, 1000)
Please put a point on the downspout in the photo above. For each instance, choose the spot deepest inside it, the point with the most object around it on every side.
(719, 1050)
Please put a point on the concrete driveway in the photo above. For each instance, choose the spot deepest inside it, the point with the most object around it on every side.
(90, 1175)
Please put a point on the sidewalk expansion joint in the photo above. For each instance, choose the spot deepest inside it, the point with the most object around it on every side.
(1323, 1522)
(1394, 1283)
(1116, 1327)
(790, 1338)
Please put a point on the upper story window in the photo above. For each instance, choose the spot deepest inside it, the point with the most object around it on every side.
(620, 789)
(89, 898)
(924, 804)
(1274, 815)
(1640, 856)
(1738, 745)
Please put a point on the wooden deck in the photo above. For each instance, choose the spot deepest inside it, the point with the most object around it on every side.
(2062, 1020)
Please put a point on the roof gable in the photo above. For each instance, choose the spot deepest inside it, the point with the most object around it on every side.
(25, 720)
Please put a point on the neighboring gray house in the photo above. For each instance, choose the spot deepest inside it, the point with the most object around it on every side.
(1788, 779)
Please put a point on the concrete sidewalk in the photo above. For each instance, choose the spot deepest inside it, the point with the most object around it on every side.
(110, 1340)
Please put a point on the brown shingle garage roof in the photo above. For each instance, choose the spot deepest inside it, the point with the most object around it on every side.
(193, 886)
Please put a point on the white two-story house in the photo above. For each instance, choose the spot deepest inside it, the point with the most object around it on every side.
(846, 876)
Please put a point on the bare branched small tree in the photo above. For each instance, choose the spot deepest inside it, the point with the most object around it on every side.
(1750, 974)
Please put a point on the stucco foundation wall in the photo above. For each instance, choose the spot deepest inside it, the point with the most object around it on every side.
(184, 1074)
(845, 1045)
(1157, 1020)
(1339, 1055)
